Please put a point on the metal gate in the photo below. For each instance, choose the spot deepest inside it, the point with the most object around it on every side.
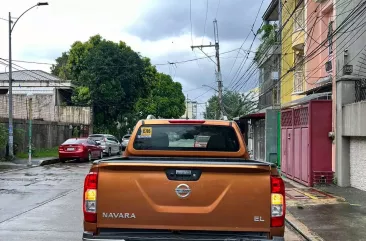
(295, 143)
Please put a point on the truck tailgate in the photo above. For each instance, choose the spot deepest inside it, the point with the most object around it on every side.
(230, 197)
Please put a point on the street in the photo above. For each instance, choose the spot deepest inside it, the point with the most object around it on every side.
(44, 203)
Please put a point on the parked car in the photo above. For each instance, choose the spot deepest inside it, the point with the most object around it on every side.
(81, 149)
(201, 141)
(109, 143)
(125, 139)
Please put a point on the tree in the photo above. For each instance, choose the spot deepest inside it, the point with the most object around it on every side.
(117, 83)
(59, 69)
(235, 105)
(267, 38)
(166, 99)
(3, 136)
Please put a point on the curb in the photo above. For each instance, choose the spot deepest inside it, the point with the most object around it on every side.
(49, 161)
(304, 231)
(41, 163)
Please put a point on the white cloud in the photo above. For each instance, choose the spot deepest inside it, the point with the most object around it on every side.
(43, 33)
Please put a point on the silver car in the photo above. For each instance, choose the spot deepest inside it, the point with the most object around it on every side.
(125, 140)
(109, 143)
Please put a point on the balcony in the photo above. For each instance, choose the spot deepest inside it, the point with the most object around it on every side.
(298, 82)
(298, 35)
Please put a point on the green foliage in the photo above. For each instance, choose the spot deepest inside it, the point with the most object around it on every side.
(60, 68)
(166, 99)
(117, 82)
(3, 136)
(235, 105)
(40, 153)
(267, 38)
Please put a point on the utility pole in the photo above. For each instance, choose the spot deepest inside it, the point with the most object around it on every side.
(187, 108)
(11, 138)
(30, 130)
(218, 71)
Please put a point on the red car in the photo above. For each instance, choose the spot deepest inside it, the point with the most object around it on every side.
(81, 149)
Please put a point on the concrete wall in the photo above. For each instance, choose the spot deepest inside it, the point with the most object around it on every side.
(271, 136)
(44, 134)
(354, 116)
(353, 41)
(44, 108)
(358, 162)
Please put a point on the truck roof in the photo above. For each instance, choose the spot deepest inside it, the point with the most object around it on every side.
(187, 121)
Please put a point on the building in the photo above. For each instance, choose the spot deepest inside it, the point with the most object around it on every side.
(191, 110)
(350, 102)
(306, 91)
(51, 98)
(263, 125)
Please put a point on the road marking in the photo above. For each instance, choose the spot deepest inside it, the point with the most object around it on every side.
(307, 194)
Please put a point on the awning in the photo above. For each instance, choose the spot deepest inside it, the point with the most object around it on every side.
(306, 99)
(254, 116)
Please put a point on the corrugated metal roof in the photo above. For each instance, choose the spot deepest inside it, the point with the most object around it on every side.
(29, 75)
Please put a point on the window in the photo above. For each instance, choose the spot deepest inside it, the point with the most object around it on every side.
(96, 137)
(74, 141)
(202, 138)
(182, 138)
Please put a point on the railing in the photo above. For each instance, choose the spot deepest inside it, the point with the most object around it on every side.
(298, 81)
(299, 19)
(360, 90)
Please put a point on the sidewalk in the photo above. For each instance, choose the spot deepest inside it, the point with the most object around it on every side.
(23, 163)
(328, 211)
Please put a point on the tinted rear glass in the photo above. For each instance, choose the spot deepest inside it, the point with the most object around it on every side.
(202, 138)
(96, 138)
(74, 141)
(182, 137)
(127, 136)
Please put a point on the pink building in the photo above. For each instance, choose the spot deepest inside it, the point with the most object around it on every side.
(320, 64)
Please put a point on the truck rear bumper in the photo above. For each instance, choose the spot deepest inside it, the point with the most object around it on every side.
(172, 237)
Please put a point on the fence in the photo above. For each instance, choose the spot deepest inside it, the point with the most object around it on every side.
(44, 108)
(45, 134)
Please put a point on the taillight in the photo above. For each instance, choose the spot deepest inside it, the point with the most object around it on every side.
(278, 202)
(90, 197)
(60, 148)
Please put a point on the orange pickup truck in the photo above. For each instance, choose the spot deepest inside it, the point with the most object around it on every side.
(166, 188)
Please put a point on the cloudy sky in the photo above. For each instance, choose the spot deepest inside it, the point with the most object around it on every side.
(158, 29)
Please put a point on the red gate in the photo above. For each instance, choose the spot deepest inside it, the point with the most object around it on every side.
(306, 153)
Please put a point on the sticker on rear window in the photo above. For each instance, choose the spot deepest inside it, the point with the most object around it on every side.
(146, 132)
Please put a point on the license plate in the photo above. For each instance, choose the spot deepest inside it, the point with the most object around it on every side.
(71, 149)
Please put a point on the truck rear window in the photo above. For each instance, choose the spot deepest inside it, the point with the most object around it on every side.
(183, 137)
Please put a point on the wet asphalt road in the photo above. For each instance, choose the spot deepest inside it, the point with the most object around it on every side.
(44, 203)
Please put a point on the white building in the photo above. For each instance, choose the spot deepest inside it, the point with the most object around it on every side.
(191, 110)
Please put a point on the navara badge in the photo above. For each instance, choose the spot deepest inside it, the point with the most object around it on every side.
(183, 190)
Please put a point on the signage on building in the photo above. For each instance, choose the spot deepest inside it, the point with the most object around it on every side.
(328, 66)
(347, 69)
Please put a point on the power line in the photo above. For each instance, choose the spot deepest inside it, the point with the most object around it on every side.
(341, 26)
(270, 89)
(245, 41)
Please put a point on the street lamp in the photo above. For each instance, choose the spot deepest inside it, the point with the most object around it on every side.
(11, 28)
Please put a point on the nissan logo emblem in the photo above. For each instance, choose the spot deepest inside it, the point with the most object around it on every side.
(183, 190)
